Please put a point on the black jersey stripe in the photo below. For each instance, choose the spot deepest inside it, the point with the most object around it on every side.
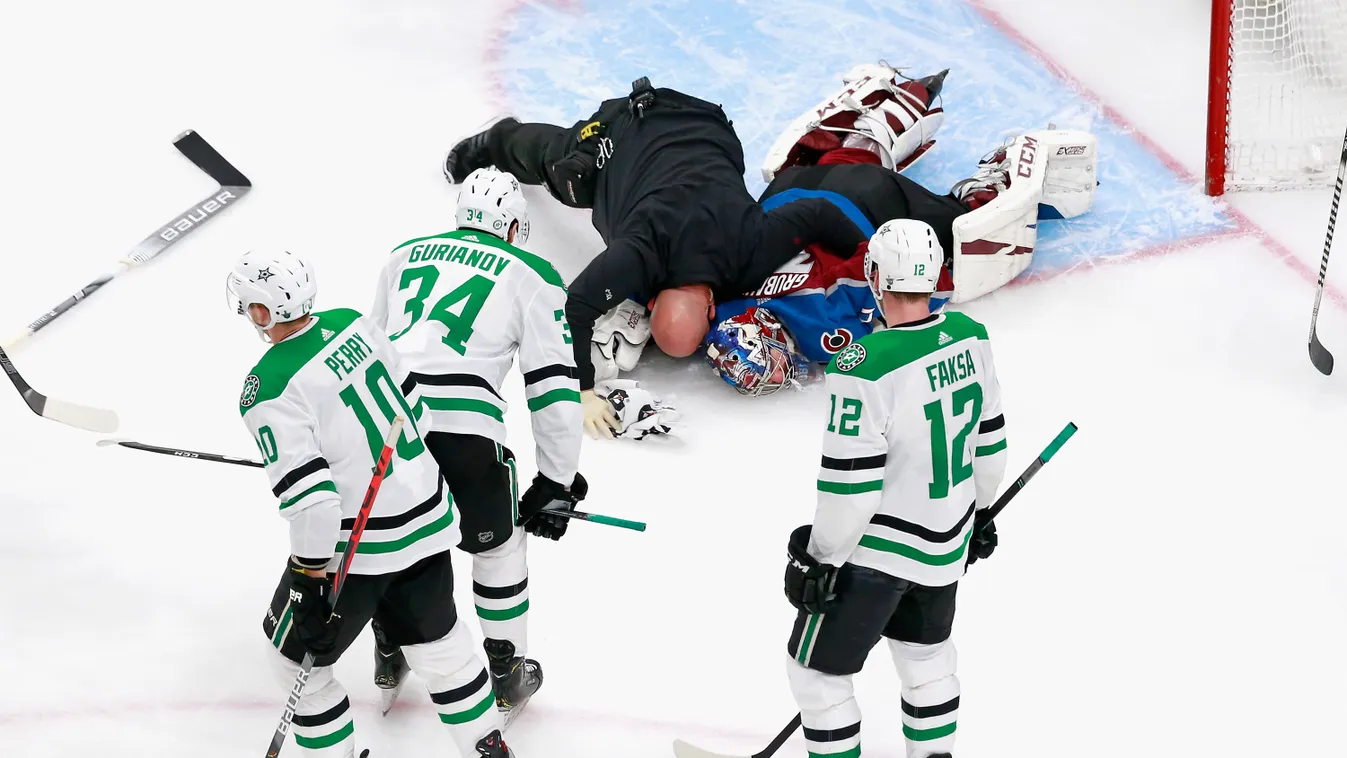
(402, 519)
(931, 711)
(917, 530)
(448, 380)
(499, 593)
(855, 464)
(833, 735)
(326, 717)
(992, 424)
(459, 694)
(297, 474)
(547, 372)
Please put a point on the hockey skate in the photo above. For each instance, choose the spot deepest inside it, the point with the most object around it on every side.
(514, 678)
(493, 746)
(471, 152)
(390, 673)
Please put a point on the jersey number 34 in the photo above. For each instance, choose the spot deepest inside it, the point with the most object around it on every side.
(472, 293)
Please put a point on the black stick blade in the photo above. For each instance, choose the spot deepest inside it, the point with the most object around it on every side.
(197, 150)
(1319, 355)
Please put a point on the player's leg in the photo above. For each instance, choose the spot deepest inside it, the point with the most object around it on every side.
(481, 476)
(323, 725)
(417, 613)
(827, 650)
(919, 639)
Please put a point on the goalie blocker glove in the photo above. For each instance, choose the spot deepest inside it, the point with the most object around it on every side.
(541, 504)
(314, 622)
(810, 585)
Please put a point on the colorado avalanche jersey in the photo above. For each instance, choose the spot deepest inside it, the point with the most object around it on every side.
(458, 306)
(319, 405)
(915, 443)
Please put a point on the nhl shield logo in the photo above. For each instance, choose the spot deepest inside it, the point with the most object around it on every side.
(250, 387)
(851, 357)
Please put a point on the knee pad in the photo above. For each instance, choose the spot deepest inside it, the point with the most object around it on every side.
(322, 692)
(447, 663)
(816, 691)
(919, 665)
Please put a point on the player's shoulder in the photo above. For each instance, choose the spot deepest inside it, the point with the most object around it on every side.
(273, 373)
(880, 353)
(537, 266)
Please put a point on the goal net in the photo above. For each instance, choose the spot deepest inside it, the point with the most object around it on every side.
(1277, 102)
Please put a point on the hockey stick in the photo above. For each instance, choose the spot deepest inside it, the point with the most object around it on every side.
(683, 749)
(637, 526)
(79, 416)
(1319, 355)
(338, 582)
(179, 453)
(233, 186)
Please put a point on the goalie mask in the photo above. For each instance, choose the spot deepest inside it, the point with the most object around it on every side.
(754, 353)
(491, 201)
(279, 281)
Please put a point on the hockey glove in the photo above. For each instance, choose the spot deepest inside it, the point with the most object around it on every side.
(538, 508)
(600, 421)
(810, 585)
(574, 178)
(314, 622)
(983, 542)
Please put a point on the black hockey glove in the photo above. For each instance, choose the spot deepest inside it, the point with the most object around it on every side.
(809, 584)
(314, 622)
(544, 498)
(575, 177)
(983, 542)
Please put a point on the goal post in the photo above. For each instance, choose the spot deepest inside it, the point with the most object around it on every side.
(1277, 93)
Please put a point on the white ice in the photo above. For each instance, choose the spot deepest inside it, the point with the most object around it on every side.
(1171, 585)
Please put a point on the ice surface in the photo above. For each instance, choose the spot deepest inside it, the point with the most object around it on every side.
(1173, 575)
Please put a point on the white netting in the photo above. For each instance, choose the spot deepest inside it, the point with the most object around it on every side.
(1288, 92)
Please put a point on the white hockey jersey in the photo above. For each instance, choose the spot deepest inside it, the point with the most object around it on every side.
(915, 442)
(319, 405)
(458, 306)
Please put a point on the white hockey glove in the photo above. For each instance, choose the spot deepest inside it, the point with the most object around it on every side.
(1043, 174)
(639, 413)
(619, 337)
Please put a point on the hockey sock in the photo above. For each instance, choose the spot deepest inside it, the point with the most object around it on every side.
(459, 686)
(828, 711)
(930, 696)
(500, 590)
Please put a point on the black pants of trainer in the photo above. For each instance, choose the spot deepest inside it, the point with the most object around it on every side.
(481, 477)
(527, 150)
(872, 605)
(409, 607)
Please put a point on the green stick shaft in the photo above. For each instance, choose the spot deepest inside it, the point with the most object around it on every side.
(636, 526)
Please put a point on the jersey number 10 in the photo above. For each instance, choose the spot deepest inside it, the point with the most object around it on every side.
(409, 444)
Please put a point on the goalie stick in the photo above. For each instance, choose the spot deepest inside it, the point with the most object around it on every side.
(233, 186)
(339, 581)
(636, 526)
(1319, 355)
(683, 749)
(79, 416)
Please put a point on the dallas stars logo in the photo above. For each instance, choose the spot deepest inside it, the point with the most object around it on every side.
(250, 387)
(851, 357)
(265, 274)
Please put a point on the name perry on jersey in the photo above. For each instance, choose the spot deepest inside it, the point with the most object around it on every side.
(348, 356)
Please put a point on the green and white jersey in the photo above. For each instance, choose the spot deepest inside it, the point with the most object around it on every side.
(458, 306)
(915, 441)
(319, 405)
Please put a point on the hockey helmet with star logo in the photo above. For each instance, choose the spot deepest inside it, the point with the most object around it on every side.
(279, 281)
(492, 201)
(754, 353)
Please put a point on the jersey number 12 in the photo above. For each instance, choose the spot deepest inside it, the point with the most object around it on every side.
(950, 465)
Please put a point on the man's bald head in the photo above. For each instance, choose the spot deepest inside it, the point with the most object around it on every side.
(681, 317)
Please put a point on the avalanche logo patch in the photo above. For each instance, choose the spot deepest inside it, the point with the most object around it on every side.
(250, 387)
(851, 357)
(832, 342)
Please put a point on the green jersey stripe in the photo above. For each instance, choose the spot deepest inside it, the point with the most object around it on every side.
(991, 449)
(318, 743)
(393, 546)
(463, 405)
(326, 486)
(850, 488)
(562, 395)
(907, 551)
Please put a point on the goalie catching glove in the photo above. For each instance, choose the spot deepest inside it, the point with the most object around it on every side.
(544, 501)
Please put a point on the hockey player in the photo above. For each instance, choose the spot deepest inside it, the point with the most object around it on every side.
(319, 404)
(663, 173)
(912, 455)
(458, 306)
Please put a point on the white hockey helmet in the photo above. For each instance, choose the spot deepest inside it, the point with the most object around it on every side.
(904, 256)
(279, 281)
(491, 201)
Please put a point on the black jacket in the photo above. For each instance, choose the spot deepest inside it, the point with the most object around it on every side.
(672, 207)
